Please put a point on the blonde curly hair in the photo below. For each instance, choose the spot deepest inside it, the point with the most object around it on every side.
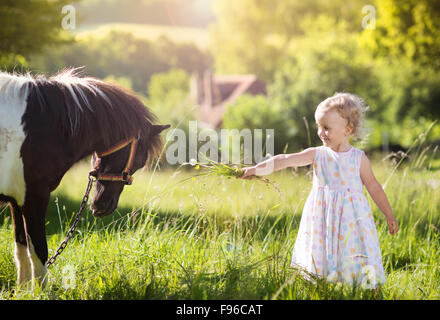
(351, 108)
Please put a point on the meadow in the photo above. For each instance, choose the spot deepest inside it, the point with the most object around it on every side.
(176, 236)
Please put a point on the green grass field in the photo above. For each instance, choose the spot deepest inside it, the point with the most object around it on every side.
(174, 237)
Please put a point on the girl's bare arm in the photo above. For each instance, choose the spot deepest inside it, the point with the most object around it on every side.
(281, 161)
(377, 194)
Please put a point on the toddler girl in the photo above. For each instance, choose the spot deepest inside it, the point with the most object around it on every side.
(337, 236)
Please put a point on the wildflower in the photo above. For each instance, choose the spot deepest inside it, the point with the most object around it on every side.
(69, 277)
(214, 168)
(333, 276)
(369, 278)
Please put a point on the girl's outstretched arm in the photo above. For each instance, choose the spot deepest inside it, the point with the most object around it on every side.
(280, 162)
(377, 194)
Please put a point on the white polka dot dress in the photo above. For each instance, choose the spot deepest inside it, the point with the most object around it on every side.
(337, 236)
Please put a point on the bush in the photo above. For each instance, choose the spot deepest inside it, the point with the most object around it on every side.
(168, 97)
(407, 104)
(256, 112)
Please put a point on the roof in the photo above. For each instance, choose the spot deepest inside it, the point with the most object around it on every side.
(225, 90)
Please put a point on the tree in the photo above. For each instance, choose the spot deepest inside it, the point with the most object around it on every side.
(255, 36)
(406, 29)
(28, 26)
(408, 90)
(405, 50)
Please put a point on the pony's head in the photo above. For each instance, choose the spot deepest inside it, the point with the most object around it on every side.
(113, 168)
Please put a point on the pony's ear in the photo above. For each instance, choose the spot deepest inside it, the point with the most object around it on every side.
(158, 128)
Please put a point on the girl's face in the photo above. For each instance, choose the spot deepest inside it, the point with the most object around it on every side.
(332, 128)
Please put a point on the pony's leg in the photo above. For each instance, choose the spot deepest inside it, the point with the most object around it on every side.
(34, 214)
(24, 272)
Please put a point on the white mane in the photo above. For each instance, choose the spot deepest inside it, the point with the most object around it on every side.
(70, 79)
(13, 85)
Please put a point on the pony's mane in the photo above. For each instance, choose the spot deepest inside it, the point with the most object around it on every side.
(13, 85)
(82, 106)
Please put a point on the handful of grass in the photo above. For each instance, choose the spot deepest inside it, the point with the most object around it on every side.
(214, 168)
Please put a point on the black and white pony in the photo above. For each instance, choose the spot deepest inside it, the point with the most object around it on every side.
(49, 123)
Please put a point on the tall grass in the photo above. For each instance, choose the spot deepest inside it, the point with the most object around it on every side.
(174, 237)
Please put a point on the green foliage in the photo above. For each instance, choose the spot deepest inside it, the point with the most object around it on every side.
(121, 54)
(405, 51)
(404, 134)
(408, 90)
(28, 27)
(122, 81)
(314, 73)
(304, 50)
(168, 97)
(162, 84)
(409, 29)
(256, 112)
(253, 36)
(307, 51)
(12, 61)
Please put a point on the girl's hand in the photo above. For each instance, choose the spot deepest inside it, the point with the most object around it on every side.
(248, 173)
(393, 225)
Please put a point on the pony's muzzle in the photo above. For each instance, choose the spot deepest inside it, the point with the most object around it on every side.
(104, 208)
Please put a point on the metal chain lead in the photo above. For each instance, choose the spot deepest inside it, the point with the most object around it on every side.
(74, 225)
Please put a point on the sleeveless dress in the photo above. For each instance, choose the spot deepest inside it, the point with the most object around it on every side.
(337, 237)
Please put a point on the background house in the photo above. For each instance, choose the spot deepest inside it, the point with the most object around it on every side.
(214, 93)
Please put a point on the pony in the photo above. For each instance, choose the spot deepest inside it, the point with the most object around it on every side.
(47, 124)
